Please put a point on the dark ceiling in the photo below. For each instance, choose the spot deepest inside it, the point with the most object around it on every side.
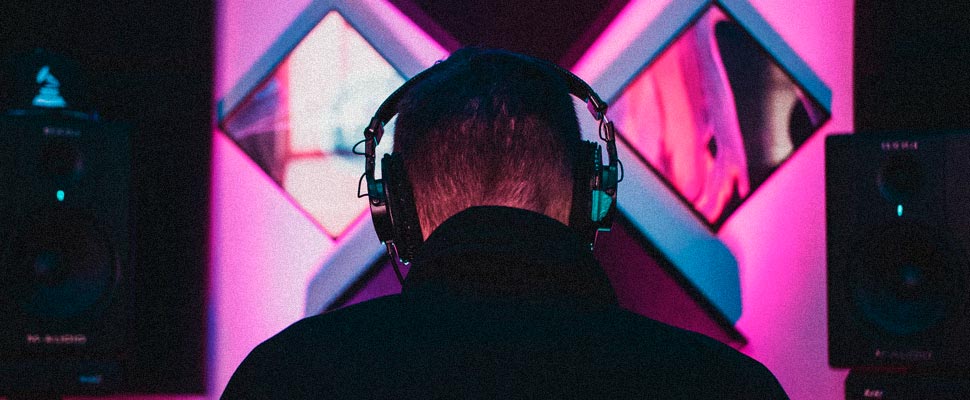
(911, 65)
(557, 31)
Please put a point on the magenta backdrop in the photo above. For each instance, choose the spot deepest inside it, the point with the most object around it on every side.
(265, 250)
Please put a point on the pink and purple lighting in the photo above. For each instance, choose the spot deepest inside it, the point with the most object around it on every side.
(289, 239)
(272, 264)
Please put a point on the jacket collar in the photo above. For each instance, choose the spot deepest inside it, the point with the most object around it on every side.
(503, 253)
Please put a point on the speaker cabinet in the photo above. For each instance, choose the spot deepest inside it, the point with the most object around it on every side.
(898, 225)
(64, 253)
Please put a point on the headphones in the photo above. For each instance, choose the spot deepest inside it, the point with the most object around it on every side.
(392, 201)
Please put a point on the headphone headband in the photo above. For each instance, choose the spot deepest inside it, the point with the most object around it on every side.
(577, 87)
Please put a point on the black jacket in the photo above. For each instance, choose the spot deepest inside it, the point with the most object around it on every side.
(499, 303)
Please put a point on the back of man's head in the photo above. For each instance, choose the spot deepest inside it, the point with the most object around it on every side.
(488, 127)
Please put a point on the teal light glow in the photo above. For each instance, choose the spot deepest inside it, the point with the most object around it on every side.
(60, 195)
(899, 210)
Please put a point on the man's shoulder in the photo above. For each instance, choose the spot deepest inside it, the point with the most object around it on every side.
(623, 348)
(290, 364)
(700, 357)
(349, 322)
(682, 340)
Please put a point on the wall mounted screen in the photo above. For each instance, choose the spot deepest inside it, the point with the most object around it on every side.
(714, 114)
(301, 123)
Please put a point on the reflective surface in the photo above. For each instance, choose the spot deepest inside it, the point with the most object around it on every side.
(714, 115)
(301, 123)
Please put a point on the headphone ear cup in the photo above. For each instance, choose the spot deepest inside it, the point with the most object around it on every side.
(405, 226)
(586, 169)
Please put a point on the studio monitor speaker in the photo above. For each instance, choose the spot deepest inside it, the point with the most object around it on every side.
(898, 230)
(65, 251)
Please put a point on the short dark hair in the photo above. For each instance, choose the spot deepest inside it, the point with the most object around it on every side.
(488, 127)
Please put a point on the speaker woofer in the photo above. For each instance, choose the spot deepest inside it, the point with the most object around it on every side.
(61, 266)
(905, 281)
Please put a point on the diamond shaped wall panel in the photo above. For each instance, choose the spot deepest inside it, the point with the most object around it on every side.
(682, 106)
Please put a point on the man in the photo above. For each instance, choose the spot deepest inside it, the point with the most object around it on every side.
(503, 299)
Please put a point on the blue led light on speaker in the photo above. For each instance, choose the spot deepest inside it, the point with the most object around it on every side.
(60, 195)
(899, 210)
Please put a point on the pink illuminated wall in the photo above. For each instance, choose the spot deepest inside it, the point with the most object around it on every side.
(266, 252)
(291, 238)
(249, 215)
(778, 236)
